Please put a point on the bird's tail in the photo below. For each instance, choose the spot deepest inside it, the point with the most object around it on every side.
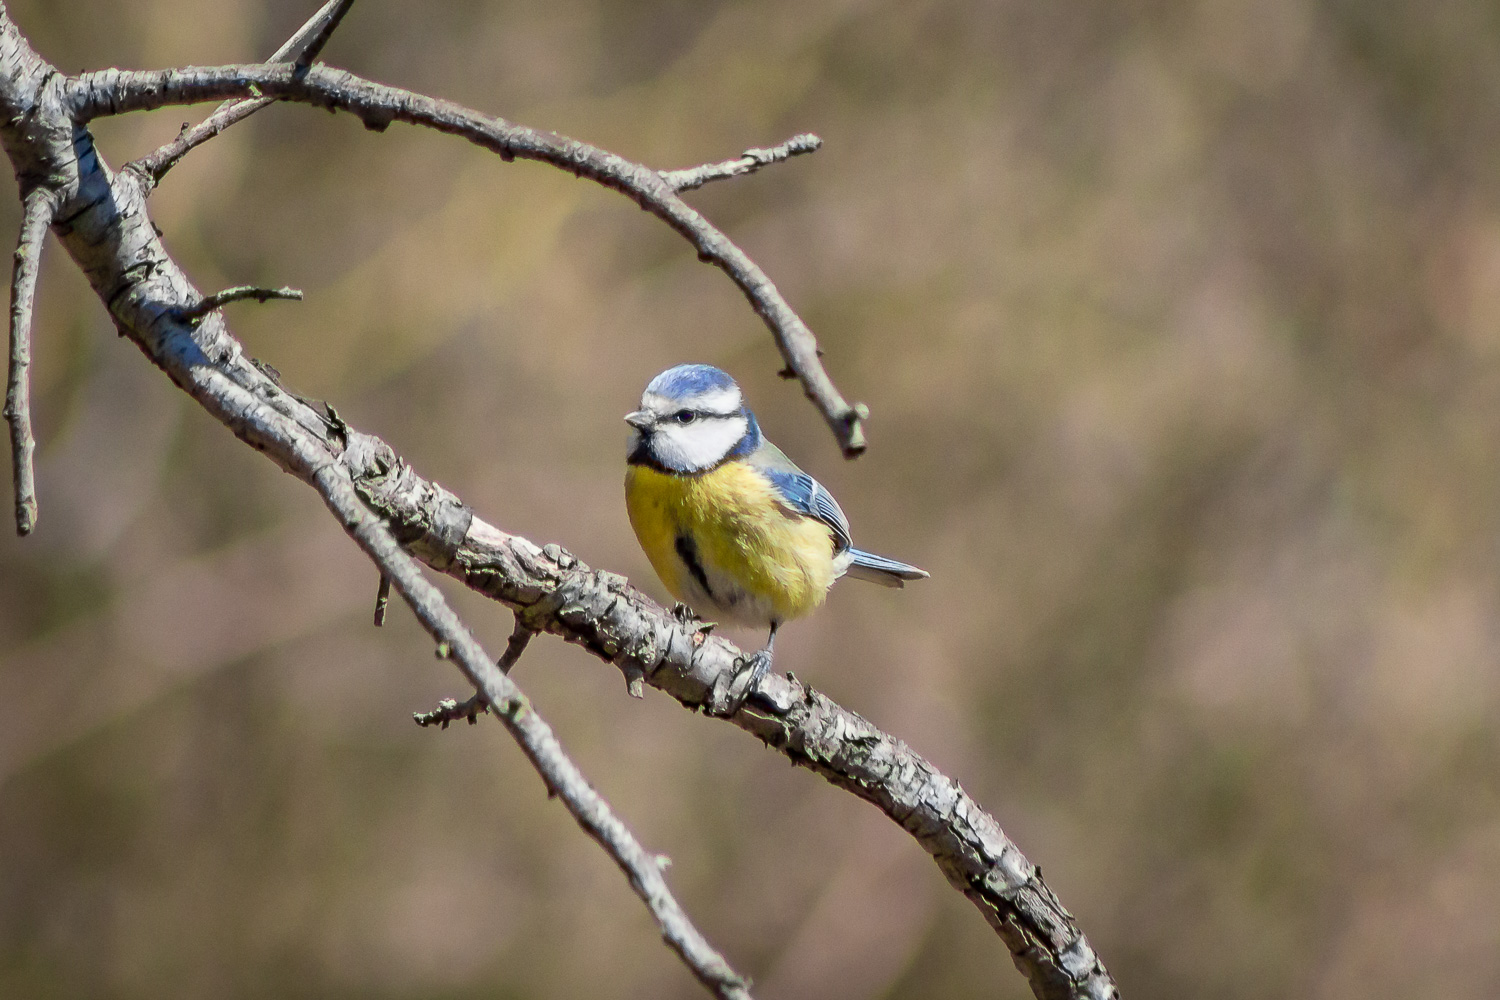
(878, 569)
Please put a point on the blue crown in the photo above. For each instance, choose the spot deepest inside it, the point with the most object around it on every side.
(686, 381)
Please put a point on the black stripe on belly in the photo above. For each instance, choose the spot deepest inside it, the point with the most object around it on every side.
(688, 553)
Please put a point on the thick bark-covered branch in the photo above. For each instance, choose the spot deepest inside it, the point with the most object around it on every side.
(36, 216)
(103, 223)
(113, 91)
(553, 592)
(390, 511)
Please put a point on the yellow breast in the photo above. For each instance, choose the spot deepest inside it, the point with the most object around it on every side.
(761, 561)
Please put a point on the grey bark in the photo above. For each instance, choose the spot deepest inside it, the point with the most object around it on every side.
(394, 514)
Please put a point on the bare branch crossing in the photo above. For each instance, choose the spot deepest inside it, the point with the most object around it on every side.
(535, 737)
(300, 50)
(554, 592)
(470, 709)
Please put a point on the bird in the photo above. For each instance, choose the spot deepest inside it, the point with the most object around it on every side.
(734, 529)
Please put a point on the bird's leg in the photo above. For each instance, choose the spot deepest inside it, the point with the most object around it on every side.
(758, 664)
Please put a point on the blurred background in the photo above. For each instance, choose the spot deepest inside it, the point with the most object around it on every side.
(1180, 327)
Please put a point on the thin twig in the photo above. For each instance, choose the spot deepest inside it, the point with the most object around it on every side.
(448, 710)
(112, 91)
(301, 49)
(471, 708)
(520, 638)
(382, 598)
(36, 217)
(218, 300)
(747, 163)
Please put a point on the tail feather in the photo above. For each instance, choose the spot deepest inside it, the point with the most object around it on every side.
(878, 569)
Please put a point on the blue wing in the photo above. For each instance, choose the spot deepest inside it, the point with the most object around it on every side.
(802, 493)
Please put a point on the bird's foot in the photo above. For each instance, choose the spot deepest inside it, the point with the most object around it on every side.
(748, 679)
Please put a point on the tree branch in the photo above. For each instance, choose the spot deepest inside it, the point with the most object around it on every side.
(36, 217)
(239, 293)
(536, 739)
(112, 91)
(747, 163)
(301, 49)
(391, 511)
(106, 229)
(470, 709)
(552, 591)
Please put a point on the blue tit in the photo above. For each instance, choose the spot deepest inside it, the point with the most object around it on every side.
(733, 528)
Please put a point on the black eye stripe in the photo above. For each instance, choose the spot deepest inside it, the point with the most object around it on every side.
(703, 414)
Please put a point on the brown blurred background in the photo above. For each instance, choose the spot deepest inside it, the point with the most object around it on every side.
(1180, 325)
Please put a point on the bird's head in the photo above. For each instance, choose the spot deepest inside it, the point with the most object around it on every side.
(692, 417)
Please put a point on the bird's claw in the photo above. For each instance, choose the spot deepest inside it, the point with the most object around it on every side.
(755, 666)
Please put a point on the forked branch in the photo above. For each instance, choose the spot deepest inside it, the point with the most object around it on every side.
(535, 737)
(113, 91)
(299, 50)
(471, 709)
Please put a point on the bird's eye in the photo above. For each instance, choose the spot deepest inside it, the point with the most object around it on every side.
(684, 416)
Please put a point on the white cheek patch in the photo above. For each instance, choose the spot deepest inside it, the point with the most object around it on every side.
(699, 445)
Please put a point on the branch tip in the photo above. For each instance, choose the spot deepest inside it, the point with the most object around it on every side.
(748, 162)
(36, 216)
(448, 711)
(520, 638)
(207, 304)
(382, 598)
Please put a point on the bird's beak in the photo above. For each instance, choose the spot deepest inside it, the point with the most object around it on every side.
(640, 420)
